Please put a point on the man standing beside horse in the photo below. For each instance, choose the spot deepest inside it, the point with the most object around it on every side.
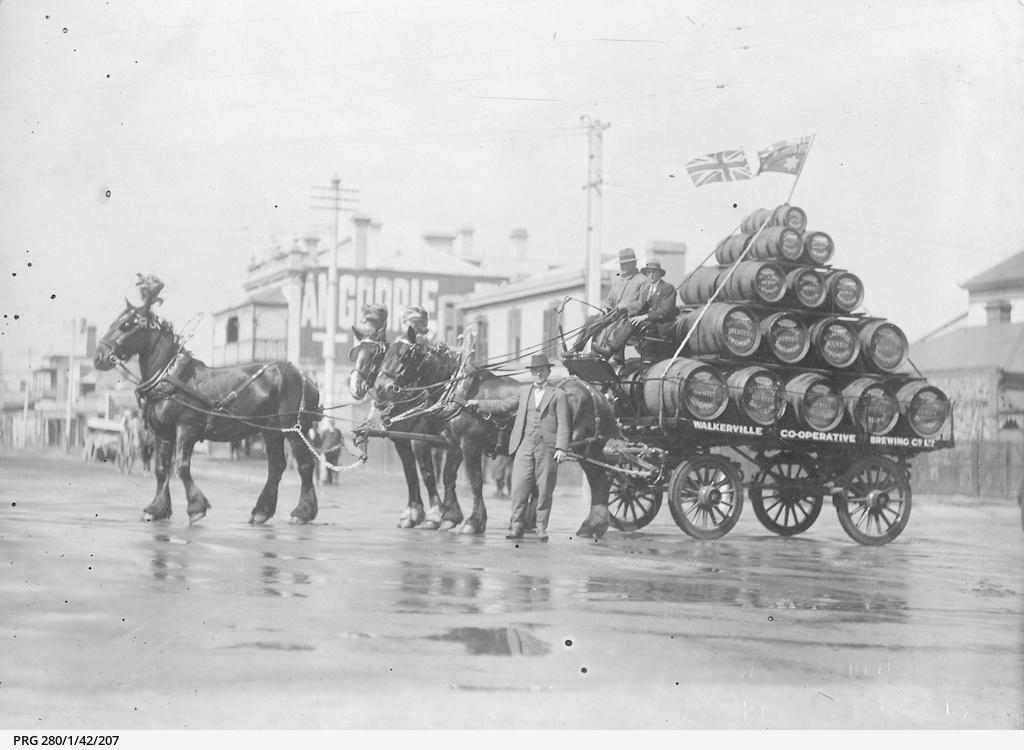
(539, 440)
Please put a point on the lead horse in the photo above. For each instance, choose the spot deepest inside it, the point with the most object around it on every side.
(410, 368)
(184, 401)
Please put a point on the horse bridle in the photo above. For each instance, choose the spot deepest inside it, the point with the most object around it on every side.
(376, 358)
(405, 361)
(131, 323)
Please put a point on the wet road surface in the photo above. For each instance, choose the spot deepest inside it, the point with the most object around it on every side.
(107, 621)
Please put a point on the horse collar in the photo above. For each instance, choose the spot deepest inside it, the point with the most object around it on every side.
(174, 365)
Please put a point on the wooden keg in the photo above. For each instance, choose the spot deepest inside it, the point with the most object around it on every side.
(815, 401)
(787, 336)
(699, 285)
(807, 288)
(731, 248)
(758, 394)
(872, 405)
(884, 345)
(845, 290)
(783, 243)
(924, 408)
(818, 248)
(835, 342)
(727, 329)
(785, 215)
(755, 281)
(684, 387)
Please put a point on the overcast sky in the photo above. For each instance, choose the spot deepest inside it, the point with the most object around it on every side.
(177, 138)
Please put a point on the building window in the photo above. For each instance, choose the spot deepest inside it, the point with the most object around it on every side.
(232, 336)
(481, 340)
(515, 332)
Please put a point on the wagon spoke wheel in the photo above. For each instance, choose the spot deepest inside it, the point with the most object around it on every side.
(632, 504)
(786, 493)
(875, 502)
(705, 496)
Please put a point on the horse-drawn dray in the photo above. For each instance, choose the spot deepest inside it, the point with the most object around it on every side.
(723, 443)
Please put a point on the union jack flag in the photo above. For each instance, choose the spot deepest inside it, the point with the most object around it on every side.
(724, 166)
(784, 156)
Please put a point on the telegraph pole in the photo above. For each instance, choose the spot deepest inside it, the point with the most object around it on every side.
(333, 198)
(71, 386)
(593, 187)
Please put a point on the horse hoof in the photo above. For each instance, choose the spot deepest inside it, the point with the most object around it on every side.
(446, 526)
(468, 528)
(405, 523)
(299, 520)
(258, 519)
(196, 517)
(430, 525)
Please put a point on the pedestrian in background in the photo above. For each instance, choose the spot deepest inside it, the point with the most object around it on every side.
(501, 473)
(539, 440)
(331, 447)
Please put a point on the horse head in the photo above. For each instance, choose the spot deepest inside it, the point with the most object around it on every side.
(401, 365)
(133, 331)
(366, 357)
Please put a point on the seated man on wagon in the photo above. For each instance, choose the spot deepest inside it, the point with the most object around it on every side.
(657, 312)
(625, 298)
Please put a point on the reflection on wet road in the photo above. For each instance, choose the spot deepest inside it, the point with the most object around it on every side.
(350, 622)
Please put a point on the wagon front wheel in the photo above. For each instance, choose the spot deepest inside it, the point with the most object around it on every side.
(633, 505)
(874, 506)
(786, 493)
(705, 496)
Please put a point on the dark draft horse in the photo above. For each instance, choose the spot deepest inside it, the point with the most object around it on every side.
(410, 368)
(184, 401)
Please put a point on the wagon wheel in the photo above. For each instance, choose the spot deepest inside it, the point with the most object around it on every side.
(632, 504)
(786, 493)
(875, 502)
(705, 496)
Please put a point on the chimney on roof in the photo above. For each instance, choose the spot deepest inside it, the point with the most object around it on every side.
(519, 237)
(443, 241)
(362, 222)
(466, 251)
(998, 311)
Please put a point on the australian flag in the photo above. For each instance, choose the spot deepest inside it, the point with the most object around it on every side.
(724, 166)
(784, 156)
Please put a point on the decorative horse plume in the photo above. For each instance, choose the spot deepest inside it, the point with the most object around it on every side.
(149, 289)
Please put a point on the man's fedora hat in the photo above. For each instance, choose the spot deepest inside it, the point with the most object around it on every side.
(539, 360)
(653, 265)
(626, 255)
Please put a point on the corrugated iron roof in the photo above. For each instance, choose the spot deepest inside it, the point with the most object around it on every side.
(998, 345)
(1009, 273)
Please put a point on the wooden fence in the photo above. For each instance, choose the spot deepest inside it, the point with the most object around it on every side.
(982, 468)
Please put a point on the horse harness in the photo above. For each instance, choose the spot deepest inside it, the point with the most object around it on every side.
(169, 381)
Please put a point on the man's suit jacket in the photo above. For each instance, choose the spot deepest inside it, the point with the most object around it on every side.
(660, 305)
(627, 291)
(554, 415)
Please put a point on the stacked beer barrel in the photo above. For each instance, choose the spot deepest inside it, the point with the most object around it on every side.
(783, 343)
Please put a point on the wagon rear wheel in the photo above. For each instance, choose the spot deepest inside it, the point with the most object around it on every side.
(705, 496)
(875, 503)
(632, 505)
(786, 493)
